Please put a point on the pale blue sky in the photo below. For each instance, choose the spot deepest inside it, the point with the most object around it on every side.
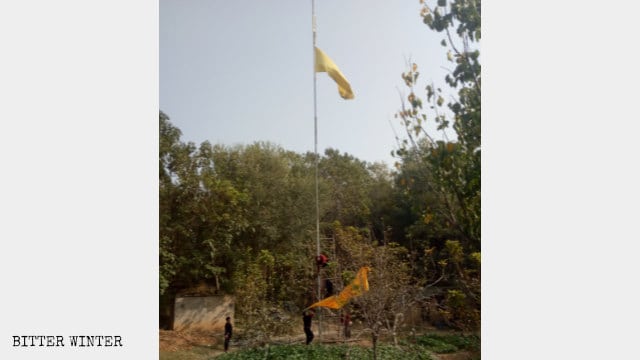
(241, 71)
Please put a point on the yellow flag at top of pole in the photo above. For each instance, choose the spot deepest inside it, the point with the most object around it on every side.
(323, 63)
(358, 286)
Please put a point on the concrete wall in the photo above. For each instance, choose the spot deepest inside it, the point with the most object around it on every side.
(202, 312)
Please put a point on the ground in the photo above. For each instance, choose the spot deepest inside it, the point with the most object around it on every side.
(197, 345)
(184, 340)
(177, 344)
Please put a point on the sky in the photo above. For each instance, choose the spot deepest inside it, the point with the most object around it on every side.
(236, 72)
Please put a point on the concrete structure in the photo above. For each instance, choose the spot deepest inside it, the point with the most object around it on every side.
(202, 312)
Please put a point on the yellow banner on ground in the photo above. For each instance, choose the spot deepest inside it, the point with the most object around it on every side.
(323, 63)
(359, 285)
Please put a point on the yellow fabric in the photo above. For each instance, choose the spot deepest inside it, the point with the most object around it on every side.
(330, 302)
(324, 64)
(359, 285)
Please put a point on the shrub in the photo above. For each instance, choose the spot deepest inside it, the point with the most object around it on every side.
(326, 352)
(449, 343)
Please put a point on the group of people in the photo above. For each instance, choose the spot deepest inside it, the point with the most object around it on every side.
(321, 262)
(307, 315)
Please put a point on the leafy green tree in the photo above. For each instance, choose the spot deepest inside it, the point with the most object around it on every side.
(278, 207)
(454, 166)
(242, 219)
(345, 181)
(446, 172)
(200, 215)
(280, 211)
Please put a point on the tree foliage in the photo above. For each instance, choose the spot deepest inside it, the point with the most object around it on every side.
(441, 176)
(225, 211)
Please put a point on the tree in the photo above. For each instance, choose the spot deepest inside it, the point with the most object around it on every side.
(241, 220)
(200, 215)
(279, 210)
(344, 181)
(454, 166)
(448, 170)
(390, 292)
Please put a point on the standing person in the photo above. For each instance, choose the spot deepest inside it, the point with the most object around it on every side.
(306, 319)
(228, 330)
(346, 321)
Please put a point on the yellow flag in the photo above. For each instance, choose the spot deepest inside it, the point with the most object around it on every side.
(359, 285)
(330, 302)
(323, 63)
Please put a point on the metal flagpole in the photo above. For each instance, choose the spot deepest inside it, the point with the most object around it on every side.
(315, 149)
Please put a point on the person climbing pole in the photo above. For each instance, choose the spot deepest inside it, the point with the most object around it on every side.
(328, 287)
(322, 261)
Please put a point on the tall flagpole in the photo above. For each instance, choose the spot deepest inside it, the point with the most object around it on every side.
(315, 149)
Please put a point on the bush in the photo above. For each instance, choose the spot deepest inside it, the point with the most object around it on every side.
(449, 343)
(437, 345)
(326, 352)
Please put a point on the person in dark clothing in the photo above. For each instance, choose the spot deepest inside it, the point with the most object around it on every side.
(306, 319)
(228, 330)
(328, 285)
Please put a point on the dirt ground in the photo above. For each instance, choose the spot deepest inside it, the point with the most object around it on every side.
(185, 340)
